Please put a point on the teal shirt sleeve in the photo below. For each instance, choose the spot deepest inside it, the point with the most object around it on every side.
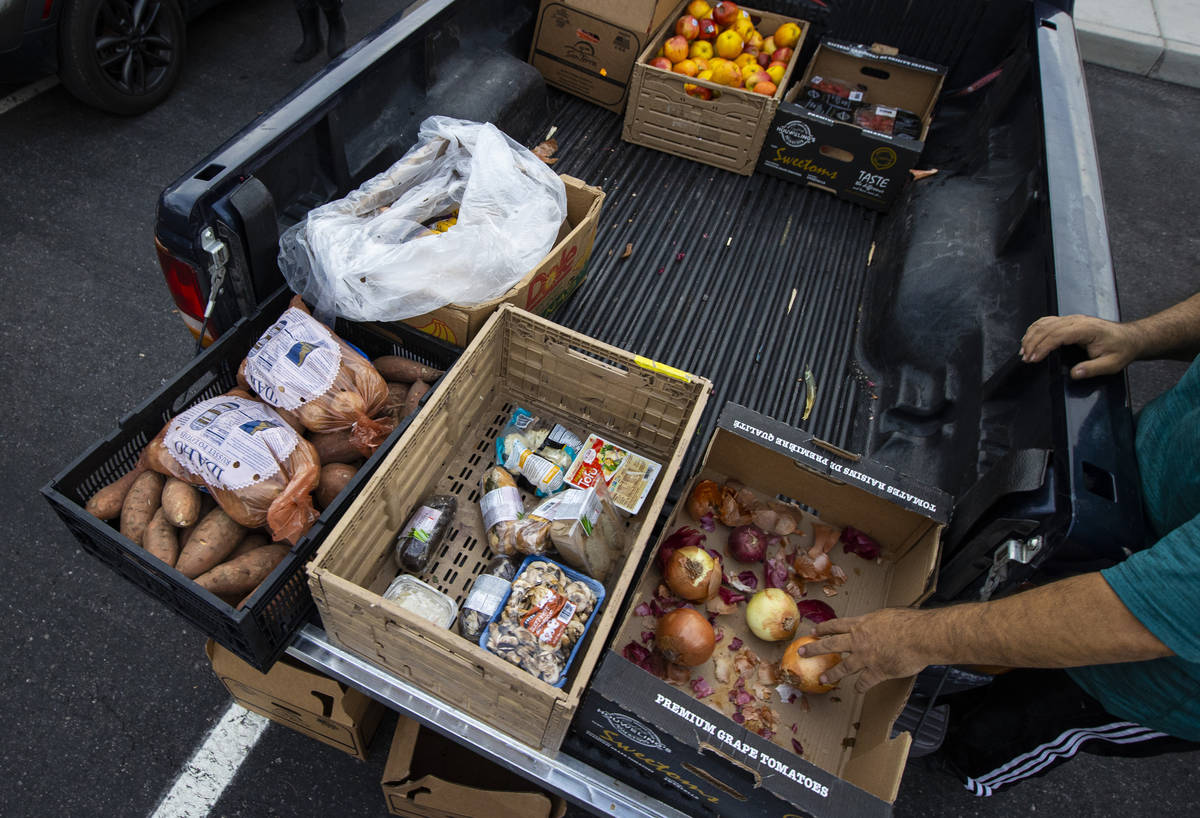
(1161, 587)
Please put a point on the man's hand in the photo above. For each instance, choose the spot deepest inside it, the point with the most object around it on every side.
(1110, 346)
(882, 644)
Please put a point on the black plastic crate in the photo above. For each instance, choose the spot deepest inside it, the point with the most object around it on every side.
(260, 630)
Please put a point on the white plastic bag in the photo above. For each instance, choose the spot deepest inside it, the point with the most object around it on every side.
(373, 257)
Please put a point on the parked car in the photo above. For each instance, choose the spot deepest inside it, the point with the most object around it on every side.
(122, 56)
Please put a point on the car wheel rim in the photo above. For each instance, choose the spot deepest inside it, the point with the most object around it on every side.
(134, 45)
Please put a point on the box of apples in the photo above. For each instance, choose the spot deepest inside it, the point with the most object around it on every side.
(708, 86)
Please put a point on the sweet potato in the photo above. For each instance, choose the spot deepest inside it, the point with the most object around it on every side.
(415, 393)
(402, 370)
(180, 503)
(240, 576)
(162, 538)
(335, 447)
(255, 539)
(334, 477)
(214, 539)
(106, 503)
(143, 499)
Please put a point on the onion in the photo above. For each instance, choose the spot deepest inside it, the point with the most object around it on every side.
(804, 672)
(684, 637)
(748, 543)
(772, 615)
(704, 499)
(693, 574)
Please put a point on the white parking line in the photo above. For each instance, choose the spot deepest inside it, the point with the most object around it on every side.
(213, 765)
(27, 93)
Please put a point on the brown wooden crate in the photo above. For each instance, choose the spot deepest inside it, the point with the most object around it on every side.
(517, 360)
(725, 132)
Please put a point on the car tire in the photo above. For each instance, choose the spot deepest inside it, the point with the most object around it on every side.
(109, 60)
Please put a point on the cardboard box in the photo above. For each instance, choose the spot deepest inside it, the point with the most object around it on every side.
(546, 286)
(299, 697)
(726, 131)
(860, 165)
(517, 360)
(429, 776)
(662, 739)
(587, 47)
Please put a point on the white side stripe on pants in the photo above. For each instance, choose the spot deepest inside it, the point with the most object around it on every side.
(1064, 746)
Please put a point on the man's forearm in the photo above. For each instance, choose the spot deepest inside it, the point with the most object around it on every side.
(1172, 333)
(1069, 623)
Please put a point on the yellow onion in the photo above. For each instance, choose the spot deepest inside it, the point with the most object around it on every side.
(693, 574)
(684, 637)
(772, 615)
(804, 672)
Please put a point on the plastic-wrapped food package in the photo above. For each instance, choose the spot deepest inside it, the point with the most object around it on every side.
(300, 365)
(537, 450)
(486, 596)
(833, 98)
(259, 470)
(886, 120)
(546, 616)
(586, 530)
(509, 529)
(371, 256)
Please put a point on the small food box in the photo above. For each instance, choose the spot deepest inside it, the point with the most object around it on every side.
(627, 475)
(730, 735)
(724, 127)
(587, 47)
(845, 139)
(429, 776)
(518, 360)
(299, 697)
(544, 289)
(259, 629)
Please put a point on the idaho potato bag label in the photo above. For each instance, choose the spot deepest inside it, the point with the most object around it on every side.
(294, 361)
(230, 442)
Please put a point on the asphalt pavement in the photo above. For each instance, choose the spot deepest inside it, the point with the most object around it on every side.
(107, 693)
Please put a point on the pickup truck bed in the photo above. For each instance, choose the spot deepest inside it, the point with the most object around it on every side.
(909, 321)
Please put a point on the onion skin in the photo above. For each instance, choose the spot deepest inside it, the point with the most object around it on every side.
(804, 672)
(684, 637)
(772, 615)
(693, 574)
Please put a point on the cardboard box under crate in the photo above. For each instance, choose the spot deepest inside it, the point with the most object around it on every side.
(544, 289)
(588, 47)
(260, 629)
(429, 776)
(302, 699)
(830, 754)
(726, 131)
(518, 360)
(835, 154)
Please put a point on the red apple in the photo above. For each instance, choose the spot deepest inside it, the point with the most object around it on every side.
(687, 27)
(676, 49)
(708, 30)
(782, 54)
(725, 13)
(661, 62)
(763, 59)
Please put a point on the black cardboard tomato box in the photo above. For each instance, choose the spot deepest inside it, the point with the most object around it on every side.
(818, 136)
(738, 742)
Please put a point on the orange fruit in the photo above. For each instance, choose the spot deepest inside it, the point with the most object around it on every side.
(766, 88)
(729, 44)
(787, 35)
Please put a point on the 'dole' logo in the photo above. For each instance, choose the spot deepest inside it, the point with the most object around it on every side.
(635, 731)
(796, 134)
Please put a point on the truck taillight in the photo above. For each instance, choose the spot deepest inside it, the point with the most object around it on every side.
(184, 284)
